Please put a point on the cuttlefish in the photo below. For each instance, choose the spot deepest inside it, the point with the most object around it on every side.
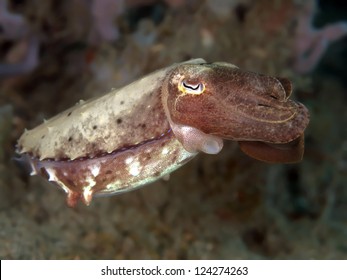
(137, 134)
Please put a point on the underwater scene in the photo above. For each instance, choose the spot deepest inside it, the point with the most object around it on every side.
(235, 149)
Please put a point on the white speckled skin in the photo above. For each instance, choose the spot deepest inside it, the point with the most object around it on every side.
(123, 117)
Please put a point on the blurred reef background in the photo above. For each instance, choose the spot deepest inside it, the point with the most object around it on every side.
(54, 53)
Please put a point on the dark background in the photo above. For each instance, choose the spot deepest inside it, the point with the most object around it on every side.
(226, 206)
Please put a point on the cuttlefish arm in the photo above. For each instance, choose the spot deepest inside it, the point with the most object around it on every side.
(291, 152)
(207, 103)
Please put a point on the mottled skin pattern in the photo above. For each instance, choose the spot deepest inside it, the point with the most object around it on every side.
(121, 118)
(144, 131)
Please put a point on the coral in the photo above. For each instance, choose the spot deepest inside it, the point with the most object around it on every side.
(104, 12)
(13, 26)
(23, 56)
(311, 43)
(26, 51)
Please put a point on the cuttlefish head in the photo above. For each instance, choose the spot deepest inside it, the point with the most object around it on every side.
(221, 100)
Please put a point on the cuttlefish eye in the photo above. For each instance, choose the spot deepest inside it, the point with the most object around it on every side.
(191, 88)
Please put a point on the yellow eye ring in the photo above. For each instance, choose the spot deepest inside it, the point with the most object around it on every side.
(190, 88)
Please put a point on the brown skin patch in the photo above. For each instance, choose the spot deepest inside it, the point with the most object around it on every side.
(238, 105)
(43, 173)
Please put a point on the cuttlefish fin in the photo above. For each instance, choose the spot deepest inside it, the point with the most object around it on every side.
(290, 152)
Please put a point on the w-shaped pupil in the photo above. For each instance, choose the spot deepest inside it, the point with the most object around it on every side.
(192, 87)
